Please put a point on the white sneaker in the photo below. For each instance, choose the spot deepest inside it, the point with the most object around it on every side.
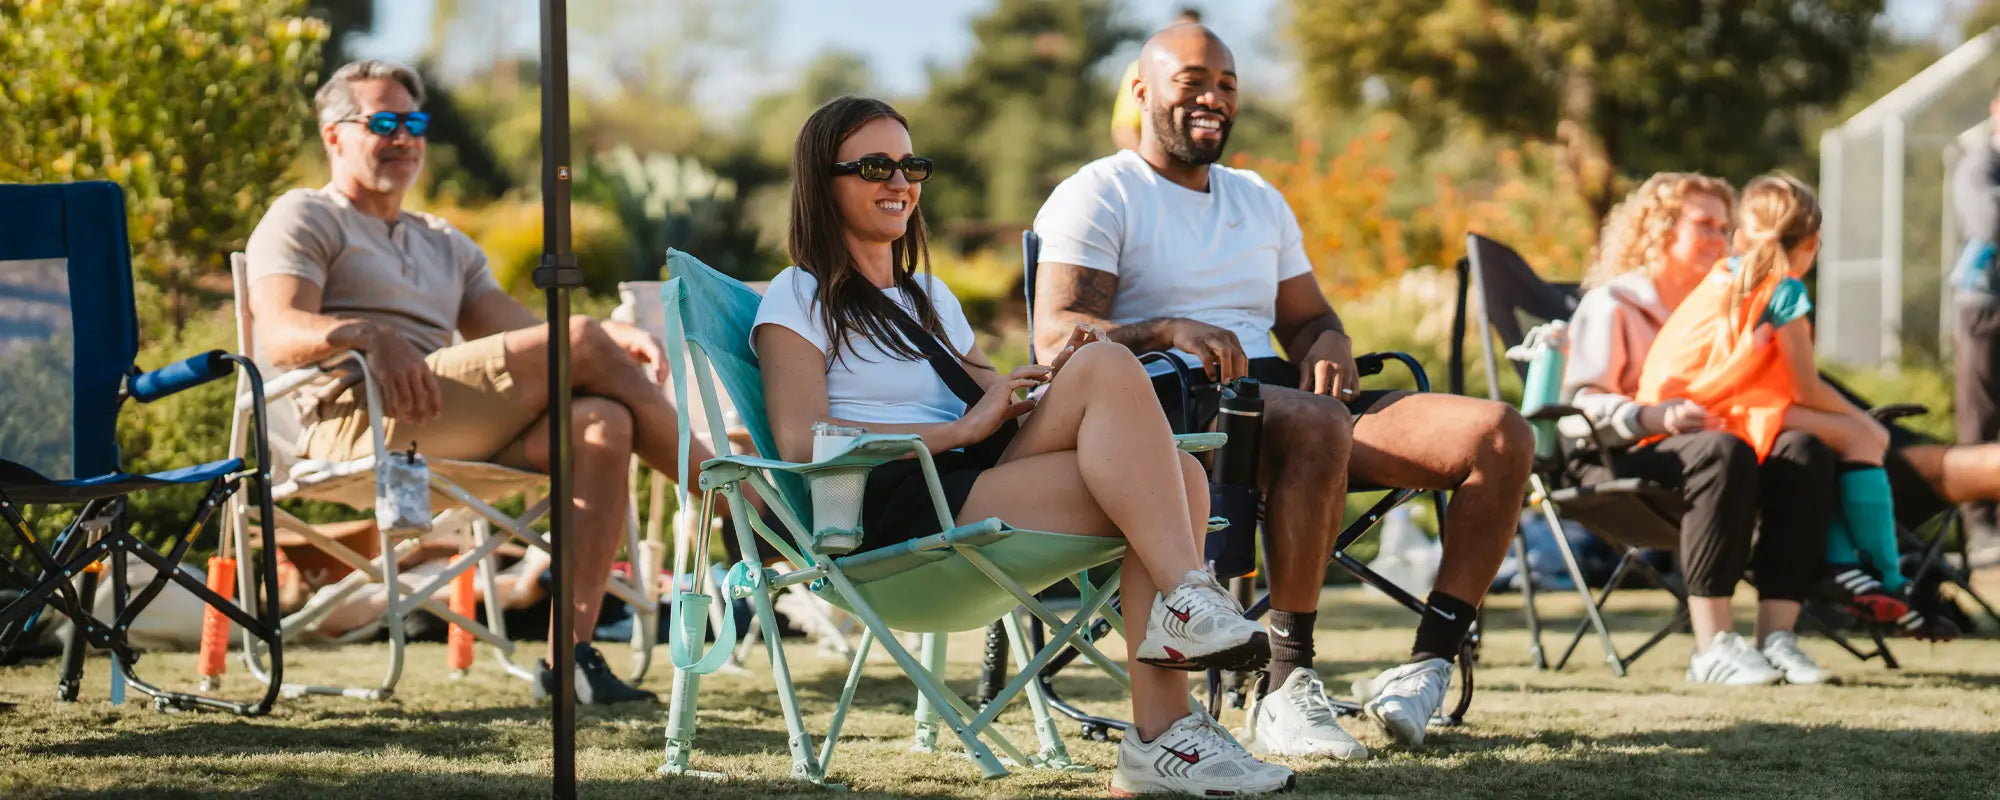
(1403, 700)
(1732, 662)
(1200, 626)
(1193, 757)
(1297, 720)
(1782, 651)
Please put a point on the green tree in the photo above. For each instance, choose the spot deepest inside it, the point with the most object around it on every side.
(193, 106)
(1025, 110)
(1625, 86)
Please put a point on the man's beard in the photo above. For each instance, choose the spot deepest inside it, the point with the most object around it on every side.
(385, 183)
(1178, 137)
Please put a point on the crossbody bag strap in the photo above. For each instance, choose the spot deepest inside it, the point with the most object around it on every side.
(942, 361)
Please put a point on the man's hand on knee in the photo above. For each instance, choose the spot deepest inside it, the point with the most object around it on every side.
(408, 389)
(641, 346)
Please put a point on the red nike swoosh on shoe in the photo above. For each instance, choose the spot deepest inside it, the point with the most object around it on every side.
(1178, 614)
(1191, 758)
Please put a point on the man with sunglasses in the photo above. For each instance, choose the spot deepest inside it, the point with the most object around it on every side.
(346, 268)
(1165, 250)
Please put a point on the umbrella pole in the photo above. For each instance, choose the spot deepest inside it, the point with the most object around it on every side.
(556, 276)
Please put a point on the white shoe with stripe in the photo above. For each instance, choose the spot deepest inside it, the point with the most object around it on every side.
(1730, 661)
(1781, 649)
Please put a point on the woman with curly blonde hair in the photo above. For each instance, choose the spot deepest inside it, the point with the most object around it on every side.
(1741, 345)
(1657, 246)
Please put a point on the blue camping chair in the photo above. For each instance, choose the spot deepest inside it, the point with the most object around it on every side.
(69, 332)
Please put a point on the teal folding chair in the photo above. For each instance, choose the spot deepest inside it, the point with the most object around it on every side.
(959, 580)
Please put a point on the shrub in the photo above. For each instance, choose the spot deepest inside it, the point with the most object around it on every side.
(195, 107)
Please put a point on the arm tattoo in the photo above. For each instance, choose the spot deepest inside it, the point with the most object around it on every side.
(1086, 298)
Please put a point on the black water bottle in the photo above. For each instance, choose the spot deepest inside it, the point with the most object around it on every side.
(1233, 491)
(1241, 417)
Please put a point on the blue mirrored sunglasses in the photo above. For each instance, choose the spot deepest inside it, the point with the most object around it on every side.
(384, 123)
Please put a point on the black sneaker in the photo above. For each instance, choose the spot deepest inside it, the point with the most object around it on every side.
(1862, 595)
(595, 683)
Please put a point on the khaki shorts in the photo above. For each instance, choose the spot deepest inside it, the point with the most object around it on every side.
(483, 419)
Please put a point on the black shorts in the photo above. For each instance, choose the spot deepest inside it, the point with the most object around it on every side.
(895, 504)
(1208, 396)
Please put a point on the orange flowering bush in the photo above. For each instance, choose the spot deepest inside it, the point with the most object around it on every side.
(1371, 214)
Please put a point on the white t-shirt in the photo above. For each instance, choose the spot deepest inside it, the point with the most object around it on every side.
(1214, 256)
(867, 384)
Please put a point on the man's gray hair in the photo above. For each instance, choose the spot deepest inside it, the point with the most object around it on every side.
(335, 100)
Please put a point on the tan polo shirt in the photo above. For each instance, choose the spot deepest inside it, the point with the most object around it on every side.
(412, 276)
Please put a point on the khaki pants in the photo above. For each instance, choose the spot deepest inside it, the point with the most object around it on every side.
(483, 419)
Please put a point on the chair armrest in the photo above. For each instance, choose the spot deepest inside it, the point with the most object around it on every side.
(1895, 411)
(1373, 363)
(1552, 413)
(293, 379)
(1200, 442)
(867, 450)
(178, 377)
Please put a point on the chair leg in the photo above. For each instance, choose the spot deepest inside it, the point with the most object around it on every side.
(939, 698)
(680, 727)
(933, 657)
(1591, 610)
(71, 681)
(645, 612)
(846, 699)
(1535, 653)
(804, 764)
(1052, 755)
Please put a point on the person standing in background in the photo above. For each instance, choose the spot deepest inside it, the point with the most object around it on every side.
(1975, 189)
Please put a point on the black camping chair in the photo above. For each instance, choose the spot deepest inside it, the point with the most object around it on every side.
(1633, 514)
(71, 333)
(1233, 690)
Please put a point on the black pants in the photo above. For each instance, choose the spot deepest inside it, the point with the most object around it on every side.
(1977, 393)
(1729, 494)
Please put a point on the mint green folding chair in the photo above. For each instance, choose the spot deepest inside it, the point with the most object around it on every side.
(959, 580)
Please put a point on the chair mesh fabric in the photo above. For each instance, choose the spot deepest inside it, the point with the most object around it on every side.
(836, 498)
(717, 313)
(36, 371)
(82, 226)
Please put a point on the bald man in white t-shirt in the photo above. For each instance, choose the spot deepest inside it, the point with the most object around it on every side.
(1164, 250)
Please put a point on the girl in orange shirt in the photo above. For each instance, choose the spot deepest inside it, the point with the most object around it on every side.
(1741, 346)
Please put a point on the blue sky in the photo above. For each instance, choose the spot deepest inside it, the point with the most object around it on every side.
(899, 37)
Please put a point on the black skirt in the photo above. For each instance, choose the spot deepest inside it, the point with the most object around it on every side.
(896, 503)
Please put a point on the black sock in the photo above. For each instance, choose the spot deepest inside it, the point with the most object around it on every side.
(1442, 629)
(1291, 645)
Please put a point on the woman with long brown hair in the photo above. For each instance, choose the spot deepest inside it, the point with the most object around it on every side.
(859, 332)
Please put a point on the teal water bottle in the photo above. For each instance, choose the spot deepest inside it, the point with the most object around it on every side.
(1546, 350)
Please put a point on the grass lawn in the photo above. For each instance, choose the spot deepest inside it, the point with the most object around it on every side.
(1931, 729)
